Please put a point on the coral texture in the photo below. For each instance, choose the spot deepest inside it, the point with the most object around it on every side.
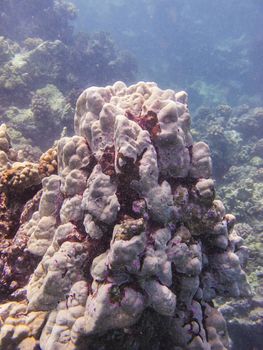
(130, 237)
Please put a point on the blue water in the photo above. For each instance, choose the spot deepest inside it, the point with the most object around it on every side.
(213, 49)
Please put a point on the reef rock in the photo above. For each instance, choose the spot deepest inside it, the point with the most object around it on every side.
(129, 236)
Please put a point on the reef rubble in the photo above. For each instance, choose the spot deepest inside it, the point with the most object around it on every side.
(128, 243)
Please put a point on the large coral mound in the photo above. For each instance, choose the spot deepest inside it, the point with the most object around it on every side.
(129, 235)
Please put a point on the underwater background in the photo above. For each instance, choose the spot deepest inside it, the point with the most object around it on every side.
(51, 50)
(214, 48)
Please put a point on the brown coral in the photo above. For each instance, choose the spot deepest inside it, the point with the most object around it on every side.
(48, 163)
(20, 177)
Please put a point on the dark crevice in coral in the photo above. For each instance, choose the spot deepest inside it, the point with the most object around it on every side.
(151, 332)
(16, 262)
(16, 267)
(94, 248)
(126, 195)
(11, 212)
(204, 321)
(187, 181)
(190, 150)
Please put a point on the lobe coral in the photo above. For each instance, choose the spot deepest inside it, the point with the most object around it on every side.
(131, 244)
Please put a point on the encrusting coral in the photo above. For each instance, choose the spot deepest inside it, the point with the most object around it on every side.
(129, 236)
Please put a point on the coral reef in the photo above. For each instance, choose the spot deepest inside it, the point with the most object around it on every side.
(128, 238)
(236, 142)
(43, 63)
(234, 135)
(38, 83)
(50, 20)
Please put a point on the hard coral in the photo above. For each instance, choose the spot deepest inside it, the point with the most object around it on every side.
(20, 177)
(129, 234)
(48, 163)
